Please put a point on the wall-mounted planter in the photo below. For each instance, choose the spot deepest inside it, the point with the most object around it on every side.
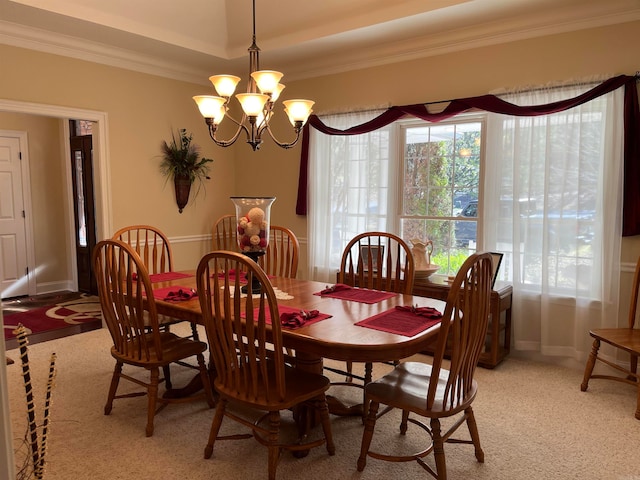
(182, 186)
(181, 161)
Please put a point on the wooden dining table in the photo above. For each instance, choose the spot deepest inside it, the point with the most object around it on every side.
(337, 337)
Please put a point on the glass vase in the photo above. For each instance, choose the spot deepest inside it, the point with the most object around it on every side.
(252, 227)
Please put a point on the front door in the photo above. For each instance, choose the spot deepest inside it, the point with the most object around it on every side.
(83, 208)
(14, 272)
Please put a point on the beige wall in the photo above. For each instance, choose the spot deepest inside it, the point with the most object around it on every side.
(142, 109)
(141, 112)
(607, 51)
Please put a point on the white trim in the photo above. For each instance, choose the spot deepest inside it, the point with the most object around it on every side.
(190, 238)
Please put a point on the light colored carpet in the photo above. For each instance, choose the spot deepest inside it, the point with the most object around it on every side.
(534, 423)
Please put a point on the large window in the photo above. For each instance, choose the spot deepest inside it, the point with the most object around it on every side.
(440, 185)
(416, 179)
(546, 191)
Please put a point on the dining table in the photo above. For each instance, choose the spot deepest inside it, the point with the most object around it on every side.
(357, 325)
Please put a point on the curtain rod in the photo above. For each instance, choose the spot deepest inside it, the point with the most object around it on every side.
(533, 89)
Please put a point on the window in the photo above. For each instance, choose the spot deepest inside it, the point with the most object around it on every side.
(555, 166)
(436, 167)
(441, 172)
(542, 204)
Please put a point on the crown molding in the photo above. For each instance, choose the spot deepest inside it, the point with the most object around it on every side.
(478, 36)
(43, 41)
(454, 41)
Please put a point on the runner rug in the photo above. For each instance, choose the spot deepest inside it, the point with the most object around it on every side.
(67, 311)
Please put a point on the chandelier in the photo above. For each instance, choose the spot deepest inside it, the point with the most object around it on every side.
(257, 104)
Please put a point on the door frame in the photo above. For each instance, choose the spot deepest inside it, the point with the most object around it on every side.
(23, 142)
(104, 222)
(101, 172)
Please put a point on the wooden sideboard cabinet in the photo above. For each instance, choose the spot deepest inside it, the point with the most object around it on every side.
(498, 342)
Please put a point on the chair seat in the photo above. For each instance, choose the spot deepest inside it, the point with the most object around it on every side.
(301, 386)
(627, 339)
(174, 348)
(405, 385)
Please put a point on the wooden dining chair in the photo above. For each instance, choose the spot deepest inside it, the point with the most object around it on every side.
(129, 310)
(154, 249)
(283, 250)
(430, 391)
(223, 235)
(378, 261)
(247, 351)
(151, 245)
(625, 339)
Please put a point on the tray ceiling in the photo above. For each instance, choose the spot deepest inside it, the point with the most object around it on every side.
(191, 39)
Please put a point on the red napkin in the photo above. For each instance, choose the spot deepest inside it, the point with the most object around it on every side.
(180, 295)
(338, 287)
(174, 294)
(298, 318)
(427, 312)
(291, 317)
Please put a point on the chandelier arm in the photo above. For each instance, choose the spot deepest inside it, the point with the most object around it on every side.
(232, 140)
(278, 142)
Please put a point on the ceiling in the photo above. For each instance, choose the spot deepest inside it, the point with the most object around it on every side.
(192, 39)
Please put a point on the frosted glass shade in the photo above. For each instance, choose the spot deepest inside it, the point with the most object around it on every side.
(298, 110)
(252, 103)
(267, 80)
(276, 93)
(211, 107)
(225, 85)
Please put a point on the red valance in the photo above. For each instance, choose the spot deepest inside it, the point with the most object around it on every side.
(491, 103)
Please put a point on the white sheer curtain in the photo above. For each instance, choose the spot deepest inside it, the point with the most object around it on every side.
(343, 208)
(553, 205)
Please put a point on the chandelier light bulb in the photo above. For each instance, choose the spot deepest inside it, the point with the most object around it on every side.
(211, 107)
(225, 85)
(267, 80)
(276, 93)
(298, 110)
(252, 103)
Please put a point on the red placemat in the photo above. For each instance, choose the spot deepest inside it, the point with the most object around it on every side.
(284, 310)
(175, 293)
(362, 295)
(166, 276)
(232, 276)
(243, 276)
(400, 322)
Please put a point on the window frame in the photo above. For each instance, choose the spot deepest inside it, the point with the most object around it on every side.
(400, 134)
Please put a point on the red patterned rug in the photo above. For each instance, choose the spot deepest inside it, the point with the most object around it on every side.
(68, 311)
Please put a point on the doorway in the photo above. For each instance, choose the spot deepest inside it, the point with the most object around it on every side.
(100, 164)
